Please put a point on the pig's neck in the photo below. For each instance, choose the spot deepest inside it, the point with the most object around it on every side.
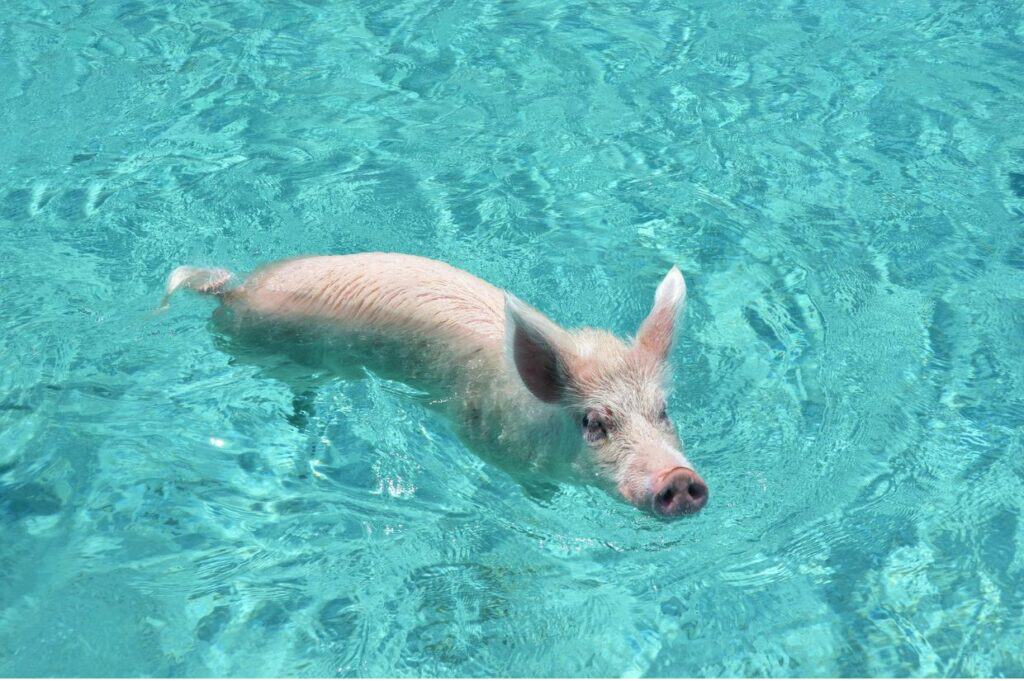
(502, 421)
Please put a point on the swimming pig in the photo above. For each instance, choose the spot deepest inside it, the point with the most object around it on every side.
(523, 392)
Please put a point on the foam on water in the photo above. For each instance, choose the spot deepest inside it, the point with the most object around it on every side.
(843, 186)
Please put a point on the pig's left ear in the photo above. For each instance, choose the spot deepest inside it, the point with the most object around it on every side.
(538, 348)
(658, 330)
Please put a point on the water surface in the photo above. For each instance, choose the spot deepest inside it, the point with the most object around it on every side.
(842, 184)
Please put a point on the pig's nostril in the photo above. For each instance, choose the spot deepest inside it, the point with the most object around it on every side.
(697, 490)
(665, 497)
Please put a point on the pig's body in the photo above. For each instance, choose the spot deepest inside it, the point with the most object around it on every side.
(435, 327)
(426, 323)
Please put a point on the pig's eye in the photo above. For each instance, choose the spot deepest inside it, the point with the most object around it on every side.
(663, 414)
(594, 429)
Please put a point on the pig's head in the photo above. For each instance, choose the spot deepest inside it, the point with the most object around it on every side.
(615, 392)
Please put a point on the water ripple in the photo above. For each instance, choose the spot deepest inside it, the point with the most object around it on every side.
(841, 184)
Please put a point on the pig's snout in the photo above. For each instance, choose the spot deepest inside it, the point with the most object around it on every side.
(681, 491)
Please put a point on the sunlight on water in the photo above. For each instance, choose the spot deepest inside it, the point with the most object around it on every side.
(842, 184)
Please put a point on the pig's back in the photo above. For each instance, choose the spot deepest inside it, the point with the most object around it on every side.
(381, 293)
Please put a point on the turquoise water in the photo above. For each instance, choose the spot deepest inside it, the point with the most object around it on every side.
(842, 184)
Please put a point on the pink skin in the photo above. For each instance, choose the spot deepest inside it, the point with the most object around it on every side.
(528, 395)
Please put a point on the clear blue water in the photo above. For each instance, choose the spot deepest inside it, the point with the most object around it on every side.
(841, 182)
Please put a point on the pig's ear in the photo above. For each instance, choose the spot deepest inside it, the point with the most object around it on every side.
(538, 349)
(658, 330)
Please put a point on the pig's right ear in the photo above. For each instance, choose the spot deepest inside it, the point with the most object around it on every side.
(537, 348)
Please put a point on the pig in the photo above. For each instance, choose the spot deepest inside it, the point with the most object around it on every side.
(579, 406)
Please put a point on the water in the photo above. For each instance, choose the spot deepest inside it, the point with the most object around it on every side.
(842, 184)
